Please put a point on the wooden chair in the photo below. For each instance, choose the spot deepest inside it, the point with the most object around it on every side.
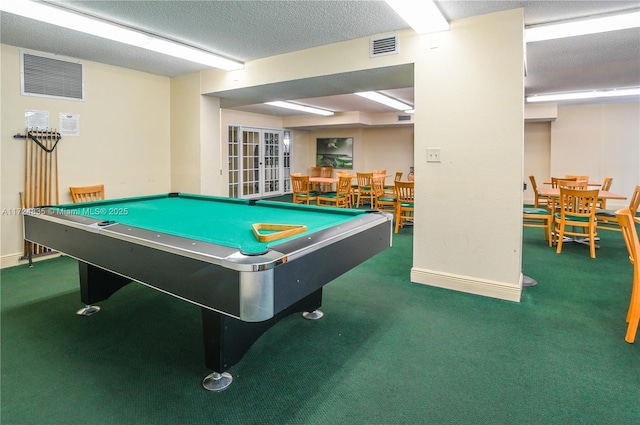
(87, 193)
(555, 180)
(384, 201)
(341, 198)
(366, 190)
(302, 193)
(553, 202)
(608, 219)
(328, 173)
(539, 217)
(606, 185)
(630, 234)
(391, 189)
(315, 172)
(577, 210)
(404, 203)
(537, 200)
(379, 172)
(578, 178)
(353, 187)
(573, 184)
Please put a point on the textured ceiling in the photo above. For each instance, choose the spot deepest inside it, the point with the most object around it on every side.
(248, 30)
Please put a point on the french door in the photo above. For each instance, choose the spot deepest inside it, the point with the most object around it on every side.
(256, 166)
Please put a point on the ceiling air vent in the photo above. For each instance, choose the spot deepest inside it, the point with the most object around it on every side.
(49, 77)
(382, 46)
(404, 117)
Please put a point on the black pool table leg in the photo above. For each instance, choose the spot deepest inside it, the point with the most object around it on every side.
(227, 339)
(96, 285)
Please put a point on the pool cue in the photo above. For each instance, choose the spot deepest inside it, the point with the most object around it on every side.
(25, 196)
(36, 155)
(50, 171)
(34, 174)
(43, 170)
(45, 192)
(57, 180)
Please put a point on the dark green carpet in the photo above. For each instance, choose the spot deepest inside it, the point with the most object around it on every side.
(386, 352)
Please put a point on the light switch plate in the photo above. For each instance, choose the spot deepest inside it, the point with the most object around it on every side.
(433, 155)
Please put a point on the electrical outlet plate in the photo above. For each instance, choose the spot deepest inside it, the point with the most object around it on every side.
(433, 155)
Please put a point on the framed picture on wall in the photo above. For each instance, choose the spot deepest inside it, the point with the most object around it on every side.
(336, 152)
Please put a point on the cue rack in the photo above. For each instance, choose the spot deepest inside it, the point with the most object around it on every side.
(41, 184)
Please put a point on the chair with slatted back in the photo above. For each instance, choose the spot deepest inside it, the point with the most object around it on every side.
(538, 201)
(607, 219)
(326, 172)
(573, 184)
(390, 189)
(576, 216)
(341, 198)
(606, 186)
(630, 234)
(576, 177)
(555, 180)
(554, 201)
(384, 201)
(404, 204)
(302, 193)
(366, 190)
(315, 172)
(87, 193)
(353, 187)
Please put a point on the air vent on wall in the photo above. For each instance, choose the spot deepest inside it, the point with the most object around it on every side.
(404, 117)
(382, 46)
(49, 77)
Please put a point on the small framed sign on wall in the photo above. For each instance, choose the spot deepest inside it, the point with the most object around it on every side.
(336, 152)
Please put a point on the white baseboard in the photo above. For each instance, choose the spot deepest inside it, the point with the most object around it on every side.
(13, 260)
(472, 285)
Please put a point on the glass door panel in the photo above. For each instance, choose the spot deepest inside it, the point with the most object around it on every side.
(250, 164)
(271, 162)
(255, 162)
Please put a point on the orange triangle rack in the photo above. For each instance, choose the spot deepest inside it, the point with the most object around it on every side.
(276, 231)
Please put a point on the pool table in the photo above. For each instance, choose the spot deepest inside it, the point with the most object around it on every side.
(204, 250)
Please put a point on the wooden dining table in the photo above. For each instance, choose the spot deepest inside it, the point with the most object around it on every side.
(555, 192)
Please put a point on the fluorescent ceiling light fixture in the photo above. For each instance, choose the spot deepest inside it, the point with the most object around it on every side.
(297, 107)
(385, 100)
(421, 15)
(593, 25)
(89, 25)
(593, 94)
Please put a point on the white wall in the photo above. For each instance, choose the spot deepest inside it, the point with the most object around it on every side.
(373, 148)
(599, 141)
(537, 156)
(123, 142)
(469, 103)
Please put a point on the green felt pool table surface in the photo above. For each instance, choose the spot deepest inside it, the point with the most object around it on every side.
(223, 221)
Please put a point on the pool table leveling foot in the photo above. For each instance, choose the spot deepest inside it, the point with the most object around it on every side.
(88, 310)
(217, 381)
(313, 315)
